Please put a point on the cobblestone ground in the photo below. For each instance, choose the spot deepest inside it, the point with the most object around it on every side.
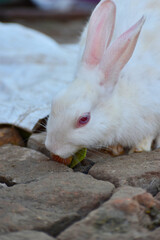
(104, 197)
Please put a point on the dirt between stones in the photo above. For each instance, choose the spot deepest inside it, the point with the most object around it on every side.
(102, 198)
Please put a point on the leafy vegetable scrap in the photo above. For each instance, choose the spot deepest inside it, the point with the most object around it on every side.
(71, 161)
(78, 157)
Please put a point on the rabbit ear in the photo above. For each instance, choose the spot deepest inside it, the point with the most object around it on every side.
(100, 30)
(118, 54)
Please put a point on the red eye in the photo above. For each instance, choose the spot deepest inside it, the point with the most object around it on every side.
(83, 120)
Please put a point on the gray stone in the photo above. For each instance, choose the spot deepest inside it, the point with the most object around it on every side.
(22, 165)
(123, 217)
(51, 203)
(36, 142)
(138, 169)
(158, 196)
(26, 235)
(98, 155)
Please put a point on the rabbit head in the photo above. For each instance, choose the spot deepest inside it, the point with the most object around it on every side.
(85, 112)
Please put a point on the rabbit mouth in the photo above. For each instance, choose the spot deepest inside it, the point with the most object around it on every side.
(73, 160)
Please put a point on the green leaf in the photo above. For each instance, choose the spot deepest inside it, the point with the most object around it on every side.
(78, 157)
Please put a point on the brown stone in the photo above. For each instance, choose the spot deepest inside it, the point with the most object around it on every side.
(10, 135)
(126, 205)
(124, 199)
(147, 200)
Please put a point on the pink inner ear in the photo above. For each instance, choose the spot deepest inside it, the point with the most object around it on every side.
(97, 51)
(118, 54)
(100, 32)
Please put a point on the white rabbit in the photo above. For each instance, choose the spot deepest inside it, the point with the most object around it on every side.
(114, 99)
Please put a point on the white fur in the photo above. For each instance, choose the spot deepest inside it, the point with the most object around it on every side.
(131, 112)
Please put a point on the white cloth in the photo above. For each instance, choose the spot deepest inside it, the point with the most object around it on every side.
(33, 67)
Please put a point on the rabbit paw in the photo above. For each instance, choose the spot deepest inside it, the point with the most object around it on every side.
(144, 145)
(115, 150)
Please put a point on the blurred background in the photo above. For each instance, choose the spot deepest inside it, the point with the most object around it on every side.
(63, 20)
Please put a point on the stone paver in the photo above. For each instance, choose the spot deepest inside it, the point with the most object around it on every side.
(52, 202)
(22, 165)
(26, 235)
(138, 169)
(123, 217)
